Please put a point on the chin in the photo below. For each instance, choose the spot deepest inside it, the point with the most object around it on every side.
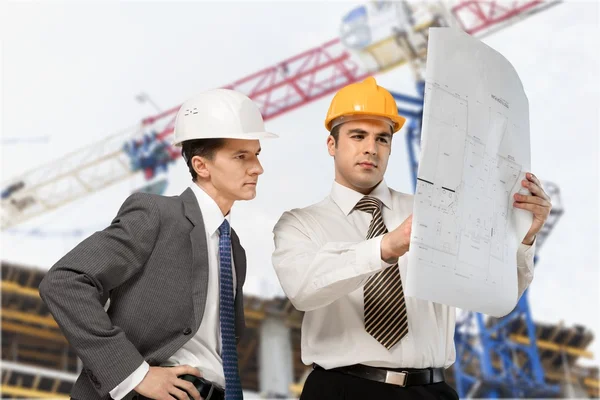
(367, 183)
(247, 195)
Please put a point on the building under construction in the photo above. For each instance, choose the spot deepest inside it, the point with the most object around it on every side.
(38, 363)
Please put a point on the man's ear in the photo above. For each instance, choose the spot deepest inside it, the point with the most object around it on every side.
(199, 165)
(331, 145)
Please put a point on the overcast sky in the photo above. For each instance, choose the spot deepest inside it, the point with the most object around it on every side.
(71, 72)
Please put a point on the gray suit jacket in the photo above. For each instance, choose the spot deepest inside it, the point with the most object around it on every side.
(152, 263)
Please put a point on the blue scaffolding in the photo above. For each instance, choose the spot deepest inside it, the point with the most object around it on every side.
(488, 363)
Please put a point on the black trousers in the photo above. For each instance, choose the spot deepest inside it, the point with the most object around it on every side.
(333, 385)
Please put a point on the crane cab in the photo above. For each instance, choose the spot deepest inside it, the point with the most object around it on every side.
(385, 34)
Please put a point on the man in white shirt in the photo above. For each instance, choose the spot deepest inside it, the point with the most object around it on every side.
(338, 263)
(172, 268)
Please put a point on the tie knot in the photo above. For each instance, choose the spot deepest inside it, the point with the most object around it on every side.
(224, 228)
(368, 204)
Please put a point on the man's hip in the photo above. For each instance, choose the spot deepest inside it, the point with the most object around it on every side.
(396, 376)
(360, 382)
(208, 390)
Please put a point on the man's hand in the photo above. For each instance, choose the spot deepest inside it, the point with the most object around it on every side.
(396, 243)
(538, 203)
(162, 383)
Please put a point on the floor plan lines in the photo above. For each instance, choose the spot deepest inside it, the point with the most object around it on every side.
(474, 151)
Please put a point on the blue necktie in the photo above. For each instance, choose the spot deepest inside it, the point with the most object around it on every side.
(233, 386)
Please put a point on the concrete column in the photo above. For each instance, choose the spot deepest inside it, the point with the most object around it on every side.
(275, 358)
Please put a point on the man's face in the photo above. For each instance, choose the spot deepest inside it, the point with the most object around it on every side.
(235, 168)
(362, 153)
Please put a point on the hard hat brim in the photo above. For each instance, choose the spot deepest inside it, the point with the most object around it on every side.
(242, 136)
(398, 120)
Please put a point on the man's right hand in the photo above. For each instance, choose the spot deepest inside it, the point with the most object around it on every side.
(162, 383)
(396, 243)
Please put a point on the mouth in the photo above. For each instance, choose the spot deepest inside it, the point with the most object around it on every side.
(250, 184)
(367, 164)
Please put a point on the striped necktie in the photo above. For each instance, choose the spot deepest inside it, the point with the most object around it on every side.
(385, 310)
(233, 386)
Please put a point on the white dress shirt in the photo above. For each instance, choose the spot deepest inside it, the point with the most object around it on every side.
(323, 260)
(203, 350)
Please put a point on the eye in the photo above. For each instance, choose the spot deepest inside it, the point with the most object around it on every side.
(241, 157)
(384, 140)
(357, 136)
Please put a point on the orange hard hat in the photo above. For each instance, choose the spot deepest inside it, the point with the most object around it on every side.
(364, 98)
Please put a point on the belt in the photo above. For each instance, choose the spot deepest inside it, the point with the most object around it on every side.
(396, 376)
(207, 389)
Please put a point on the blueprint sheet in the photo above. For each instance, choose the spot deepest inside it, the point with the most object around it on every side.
(474, 152)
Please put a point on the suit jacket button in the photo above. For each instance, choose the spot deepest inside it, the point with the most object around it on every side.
(187, 331)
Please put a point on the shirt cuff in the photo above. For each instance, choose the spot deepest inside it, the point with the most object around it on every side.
(130, 382)
(368, 255)
(525, 254)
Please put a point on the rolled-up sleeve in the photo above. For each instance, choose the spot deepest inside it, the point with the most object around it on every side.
(525, 266)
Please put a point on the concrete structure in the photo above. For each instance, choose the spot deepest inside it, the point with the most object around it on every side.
(37, 361)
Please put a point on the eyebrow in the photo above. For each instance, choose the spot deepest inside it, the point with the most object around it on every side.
(363, 132)
(246, 151)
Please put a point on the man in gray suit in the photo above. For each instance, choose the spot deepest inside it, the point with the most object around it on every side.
(172, 269)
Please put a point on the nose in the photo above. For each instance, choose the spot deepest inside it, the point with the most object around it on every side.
(256, 168)
(370, 145)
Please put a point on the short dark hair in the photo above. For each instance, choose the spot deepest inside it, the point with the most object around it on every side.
(335, 132)
(200, 147)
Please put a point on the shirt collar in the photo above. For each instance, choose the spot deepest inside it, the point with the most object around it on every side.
(211, 213)
(347, 198)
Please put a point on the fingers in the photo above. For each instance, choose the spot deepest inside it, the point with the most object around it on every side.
(186, 369)
(534, 208)
(178, 393)
(534, 185)
(533, 179)
(189, 388)
(531, 199)
(534, 189)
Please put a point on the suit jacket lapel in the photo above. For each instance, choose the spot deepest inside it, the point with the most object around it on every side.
(199, 252)
(200, 258)
(239, 259)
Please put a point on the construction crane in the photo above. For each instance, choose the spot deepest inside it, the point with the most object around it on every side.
(290, 84)
(372, 35)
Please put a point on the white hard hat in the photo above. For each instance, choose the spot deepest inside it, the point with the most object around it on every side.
(219, 113)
